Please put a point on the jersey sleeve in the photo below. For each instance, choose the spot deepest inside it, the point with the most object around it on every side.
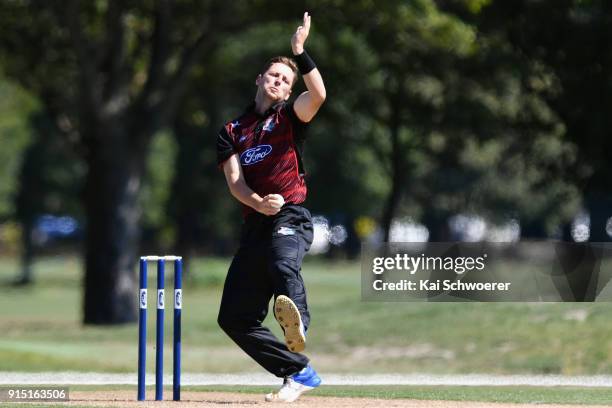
(299, 127)
(225, 146)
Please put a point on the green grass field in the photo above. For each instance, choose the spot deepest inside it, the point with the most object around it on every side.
(539, 395)
(41, 329)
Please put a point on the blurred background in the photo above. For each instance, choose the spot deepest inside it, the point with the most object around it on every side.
(446, 120)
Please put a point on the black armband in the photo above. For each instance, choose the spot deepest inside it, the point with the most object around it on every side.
(304, 62)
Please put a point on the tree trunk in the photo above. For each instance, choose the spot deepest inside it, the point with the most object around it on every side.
(533, 229)
(599, 207)
(27, 253)
(437, 224)
(393, 200)
(111, 205)
(397, 161)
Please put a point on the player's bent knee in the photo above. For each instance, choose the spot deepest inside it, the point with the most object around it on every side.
(231, 323)
(225, 321)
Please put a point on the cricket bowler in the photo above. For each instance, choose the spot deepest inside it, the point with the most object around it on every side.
(260, 153)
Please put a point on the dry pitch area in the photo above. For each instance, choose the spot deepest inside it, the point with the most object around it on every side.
(223, 399)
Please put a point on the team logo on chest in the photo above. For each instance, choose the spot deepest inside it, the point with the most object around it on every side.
(255, 154)
(269, 124)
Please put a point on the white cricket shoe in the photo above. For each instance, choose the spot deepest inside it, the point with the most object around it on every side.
(288, 316)
(296, 385)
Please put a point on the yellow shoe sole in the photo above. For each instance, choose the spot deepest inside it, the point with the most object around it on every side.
(288, 316)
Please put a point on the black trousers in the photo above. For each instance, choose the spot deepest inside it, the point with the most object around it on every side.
(268, 263)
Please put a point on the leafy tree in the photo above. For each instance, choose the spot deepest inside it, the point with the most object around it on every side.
(452, 122)
(570, 70)
(16, 105)
(111, 74)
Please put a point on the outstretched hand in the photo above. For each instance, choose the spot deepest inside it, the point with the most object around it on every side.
(299, 38)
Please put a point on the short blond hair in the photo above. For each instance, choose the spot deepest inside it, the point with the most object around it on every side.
(290, 62)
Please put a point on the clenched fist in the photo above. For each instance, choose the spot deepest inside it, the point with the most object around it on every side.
(271, 204)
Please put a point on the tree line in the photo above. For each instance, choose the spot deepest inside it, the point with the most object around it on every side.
(434, 108)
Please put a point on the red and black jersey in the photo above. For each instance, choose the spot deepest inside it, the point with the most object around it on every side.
(270, 147)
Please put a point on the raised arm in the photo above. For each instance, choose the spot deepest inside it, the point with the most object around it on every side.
(308, 103)
(268, 205)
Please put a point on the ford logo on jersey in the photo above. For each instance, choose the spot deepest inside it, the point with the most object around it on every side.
(255, 154)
